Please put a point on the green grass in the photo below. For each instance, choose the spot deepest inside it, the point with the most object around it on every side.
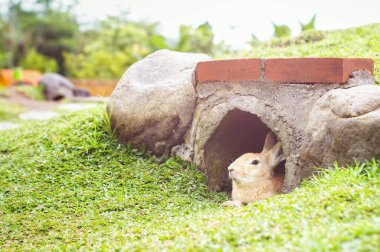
(65, 184)
(362, 42)
(9, 111)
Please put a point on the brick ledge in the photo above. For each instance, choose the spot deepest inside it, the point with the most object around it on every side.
(283, 70)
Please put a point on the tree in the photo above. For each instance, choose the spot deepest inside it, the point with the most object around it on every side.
(200, 39)
(17, 29)
(55, 34)
(50, 31)
(117, 43)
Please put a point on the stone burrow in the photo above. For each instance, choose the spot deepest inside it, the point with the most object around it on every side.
(233, 118)
(169, 104)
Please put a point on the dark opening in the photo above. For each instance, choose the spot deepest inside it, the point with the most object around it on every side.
(239, 132)
(58, 97)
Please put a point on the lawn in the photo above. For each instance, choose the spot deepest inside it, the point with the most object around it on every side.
(67, 184)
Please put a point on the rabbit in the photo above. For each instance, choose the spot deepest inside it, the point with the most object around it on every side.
(253, 176)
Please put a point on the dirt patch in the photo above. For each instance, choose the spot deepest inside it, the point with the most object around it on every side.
(20, 99)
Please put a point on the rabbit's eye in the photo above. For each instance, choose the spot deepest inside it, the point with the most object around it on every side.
(255, 162)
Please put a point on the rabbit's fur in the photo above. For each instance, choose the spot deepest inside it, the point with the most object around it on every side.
(253, 175)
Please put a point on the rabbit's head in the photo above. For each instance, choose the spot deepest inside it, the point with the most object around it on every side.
(254, 167)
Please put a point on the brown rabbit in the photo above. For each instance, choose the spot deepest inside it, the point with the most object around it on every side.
(253, 176)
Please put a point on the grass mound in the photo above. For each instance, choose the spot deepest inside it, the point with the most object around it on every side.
(361, 42)
(65, 184)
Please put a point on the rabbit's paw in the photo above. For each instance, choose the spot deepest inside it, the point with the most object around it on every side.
(235, 203)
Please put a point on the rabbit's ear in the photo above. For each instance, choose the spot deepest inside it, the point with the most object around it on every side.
(276, 155)
(270, 140)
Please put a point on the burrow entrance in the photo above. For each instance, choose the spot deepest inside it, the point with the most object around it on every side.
(238, 133)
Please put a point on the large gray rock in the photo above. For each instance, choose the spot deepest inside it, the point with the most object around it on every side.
(343, 125)
(153, 103)
(56, 86)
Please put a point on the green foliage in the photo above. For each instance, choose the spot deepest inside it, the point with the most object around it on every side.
(281, 31)
(200, 39)
(97, 64)
(282, 35)
(103, 52)
(56, 33)
(310, 25)
(36, 61)
(48, 31)
(3, 38)
(119, 43)
(106, 122)
(65, 184)
(4, 59)
(157, 42)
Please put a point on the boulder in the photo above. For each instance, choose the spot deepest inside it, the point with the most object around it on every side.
(56, 86)
(343, 125)
(153, 103)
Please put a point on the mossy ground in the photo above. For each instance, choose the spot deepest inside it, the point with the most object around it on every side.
(65, 184)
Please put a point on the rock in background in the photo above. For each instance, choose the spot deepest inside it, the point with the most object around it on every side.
(57, 87)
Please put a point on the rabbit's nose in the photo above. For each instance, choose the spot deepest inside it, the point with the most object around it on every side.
(230, 169)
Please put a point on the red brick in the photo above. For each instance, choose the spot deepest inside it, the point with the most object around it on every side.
(314, 70)
(228, 70)
(352, 65)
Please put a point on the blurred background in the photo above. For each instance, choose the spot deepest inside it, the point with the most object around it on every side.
(92, 43)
